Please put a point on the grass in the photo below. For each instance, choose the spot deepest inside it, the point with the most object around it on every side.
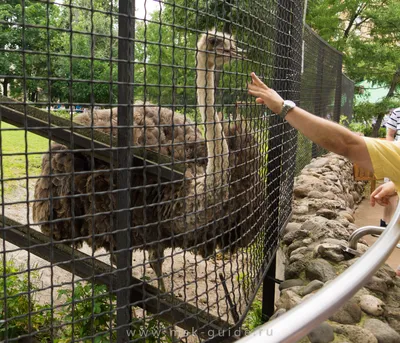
(18, 142)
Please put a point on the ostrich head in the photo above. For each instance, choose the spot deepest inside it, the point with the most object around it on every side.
(217, 48)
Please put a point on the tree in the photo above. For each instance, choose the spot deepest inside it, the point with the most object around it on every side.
(368, 33)
(24, 58)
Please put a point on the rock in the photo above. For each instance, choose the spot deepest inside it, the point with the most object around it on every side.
(322, 334)
(335, 241)
(300, 250)
(295, 245)
(311, 287)
(347, 215)
(356, 197)
(390, 272)
(330, 195)
(392, 312)
(301, 191)
(290, 283)
(384, 275)
(350, 200)
(277, 314)
(332, 252)
(294, 235)
(315, 195)
(317, 163)
(296, 257)
(300, 209)
(323, 228)
(376, 284)
(394, 323)
(307, 241)
(372, 305)
(288, 299)
(349, 313)
(329, 214)
(291, 227)
(362, 248)
(355, 334)
(361, 292)
(320, 269)
(294, 270)
(383, 332)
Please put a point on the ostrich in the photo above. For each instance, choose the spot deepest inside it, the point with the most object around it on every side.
(208, 209)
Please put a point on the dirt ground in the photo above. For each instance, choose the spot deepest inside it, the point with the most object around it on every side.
(186, 276)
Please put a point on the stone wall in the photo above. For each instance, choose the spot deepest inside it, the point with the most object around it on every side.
(325, 196)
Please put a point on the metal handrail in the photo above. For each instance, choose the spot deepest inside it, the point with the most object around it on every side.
(363, 231)
(299, 321)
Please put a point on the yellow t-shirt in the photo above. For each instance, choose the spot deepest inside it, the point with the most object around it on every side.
(385, 158)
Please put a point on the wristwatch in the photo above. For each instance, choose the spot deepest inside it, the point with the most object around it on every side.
(287, 106)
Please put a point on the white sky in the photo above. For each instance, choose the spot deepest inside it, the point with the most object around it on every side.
(146, 6)
(142, 7)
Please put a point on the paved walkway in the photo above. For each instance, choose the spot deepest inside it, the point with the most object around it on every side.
(367, 215)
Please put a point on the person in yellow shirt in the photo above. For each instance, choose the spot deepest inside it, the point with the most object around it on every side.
(379, 156)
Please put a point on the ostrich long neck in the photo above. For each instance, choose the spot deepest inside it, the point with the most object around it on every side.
(217, 147)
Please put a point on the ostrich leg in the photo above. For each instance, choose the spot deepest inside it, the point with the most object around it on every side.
(156, 257)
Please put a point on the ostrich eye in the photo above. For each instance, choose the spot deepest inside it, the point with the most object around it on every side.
(215, 41)
(212, 40)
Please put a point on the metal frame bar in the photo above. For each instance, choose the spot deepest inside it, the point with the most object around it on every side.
(126, 33)
(37, 121)
(275, 146)
(338, 94)
(167, 306)
(318, 91)
(313, 311)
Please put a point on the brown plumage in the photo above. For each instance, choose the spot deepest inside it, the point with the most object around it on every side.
(212, 208)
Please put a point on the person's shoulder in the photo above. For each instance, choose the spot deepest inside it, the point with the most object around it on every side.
(396, 112)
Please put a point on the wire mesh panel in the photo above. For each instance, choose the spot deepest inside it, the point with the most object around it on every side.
(137, 177)
(320, 83)
(347, 100)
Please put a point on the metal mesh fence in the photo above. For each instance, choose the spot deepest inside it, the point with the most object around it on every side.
(142, 191)
(321, 92)
(347, 98)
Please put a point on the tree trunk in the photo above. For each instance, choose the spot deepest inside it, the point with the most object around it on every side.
(6, 82)
(32, 97)
(377, 125)
(394, 83)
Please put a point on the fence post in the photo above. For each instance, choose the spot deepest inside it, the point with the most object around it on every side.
(338, 94)
(125, 119)
(318, 107)
(283, 77)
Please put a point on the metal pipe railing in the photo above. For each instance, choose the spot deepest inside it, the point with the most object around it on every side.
(363, 231)
(299, 321)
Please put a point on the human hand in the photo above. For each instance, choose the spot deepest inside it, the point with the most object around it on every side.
(382, 194)
(265, 95)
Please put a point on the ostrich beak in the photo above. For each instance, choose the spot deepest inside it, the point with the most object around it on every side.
(233, 52)
(237, 53)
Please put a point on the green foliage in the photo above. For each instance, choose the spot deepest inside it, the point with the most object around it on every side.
(364, 112)
(88, 312)
(164, 57)
(254, 318)
(368, 34)
(14, 145)
(15, 286)
(366, 129)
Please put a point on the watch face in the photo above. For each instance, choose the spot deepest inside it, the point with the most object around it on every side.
(289, 103)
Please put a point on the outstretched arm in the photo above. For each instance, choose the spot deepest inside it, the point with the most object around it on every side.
(325, 133)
